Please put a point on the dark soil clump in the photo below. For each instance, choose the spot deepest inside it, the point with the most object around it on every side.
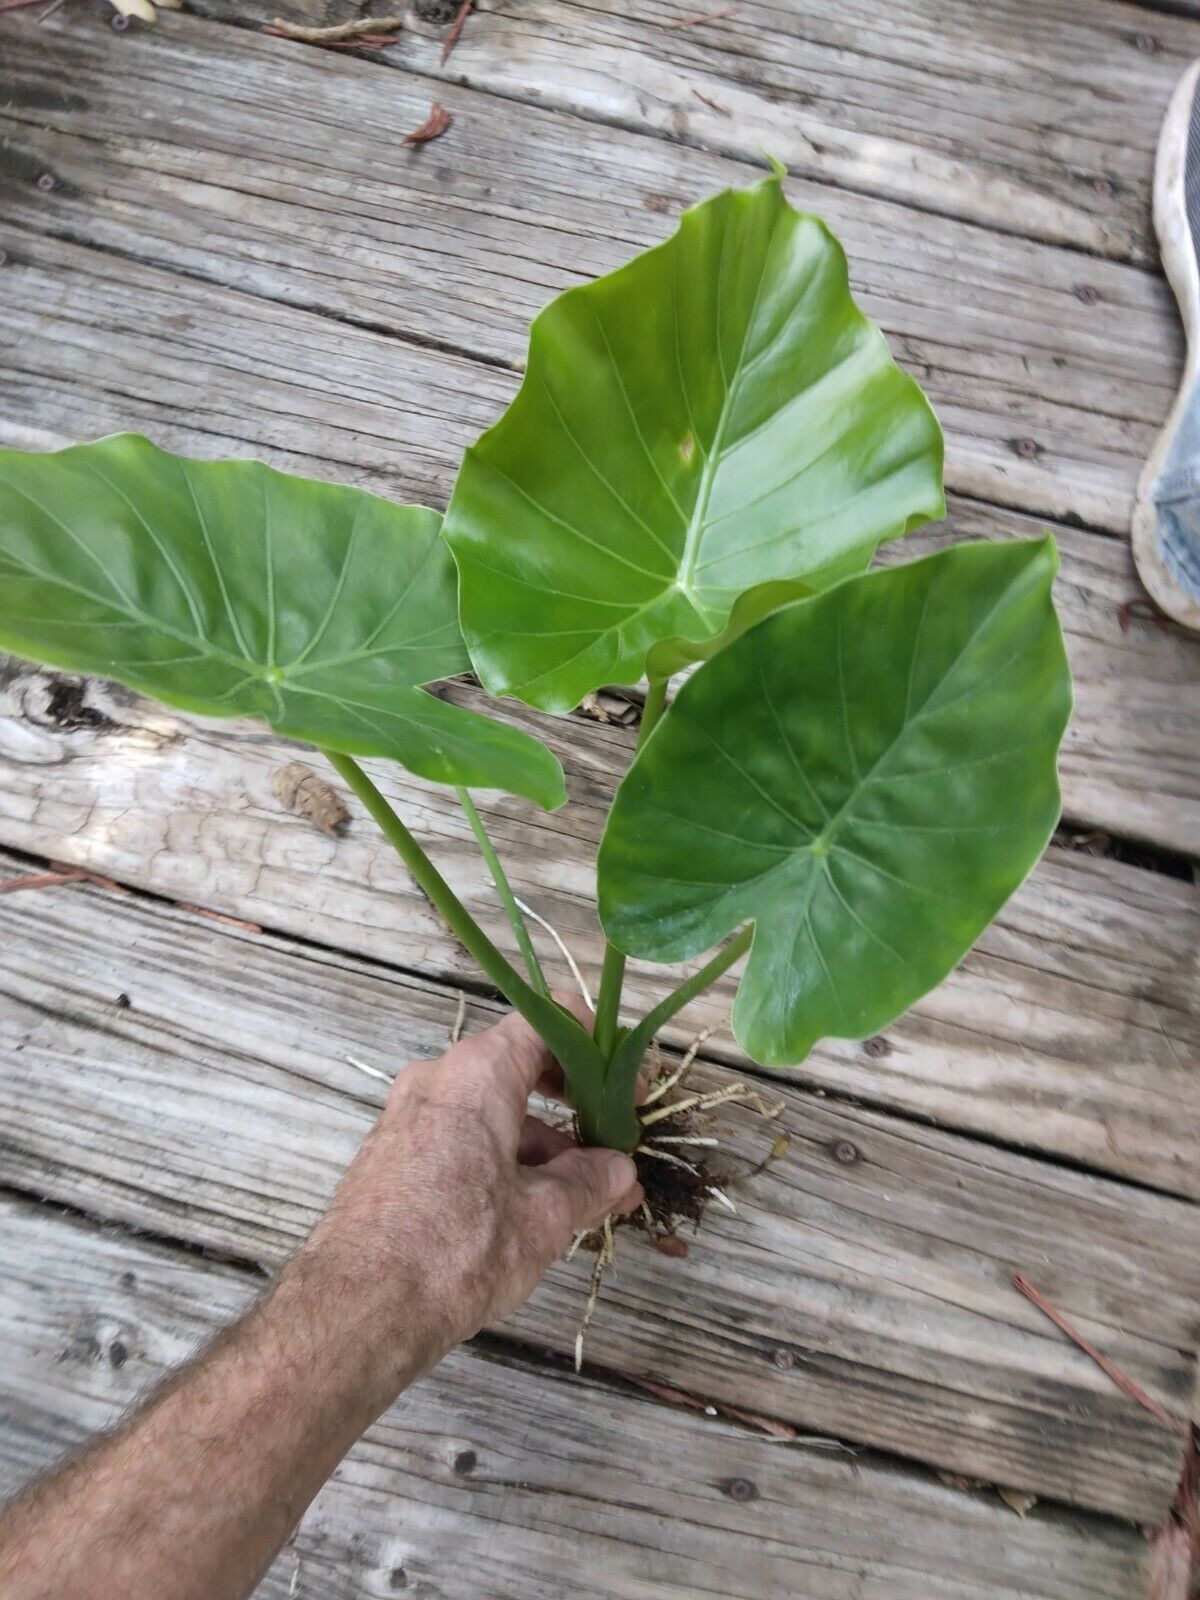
(677, 1188)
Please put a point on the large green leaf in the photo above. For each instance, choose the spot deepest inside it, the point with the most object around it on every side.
(229, 589)
(866, 776)
(713, 418)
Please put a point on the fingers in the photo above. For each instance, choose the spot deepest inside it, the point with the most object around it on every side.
(578, 1188)
(551, 1083)
(515, 1060)
(577, 1006)
(513, 1052)
(541, 1143)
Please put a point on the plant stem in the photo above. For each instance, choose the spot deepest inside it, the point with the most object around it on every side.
(536, 976)
(608, 1001)
(612, 974)
(616, 1112)
(583, 1065)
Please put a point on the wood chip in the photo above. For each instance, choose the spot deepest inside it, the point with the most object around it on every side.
(1020, 1503)
(61, 872)
(960, 1481)
(218, 916)
(434, 126)
(308, 796)
(39, 880)
(365, 26)
(456, 28)
(713, 105)
(670, 1244)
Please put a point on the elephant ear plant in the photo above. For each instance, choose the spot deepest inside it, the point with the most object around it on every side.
(707, 449)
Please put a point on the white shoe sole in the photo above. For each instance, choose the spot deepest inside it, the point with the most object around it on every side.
(1179, 259)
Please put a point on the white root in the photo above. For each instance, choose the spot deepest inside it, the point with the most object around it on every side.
(605, 1257)
(577, 1241)
(703, 1102)
(371, 1072)
(460, 1017)
(681, 1072)
(651, 1147)
(665, 1155)
(563, 951)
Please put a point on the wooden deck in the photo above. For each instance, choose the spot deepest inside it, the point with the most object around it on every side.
(218, 238)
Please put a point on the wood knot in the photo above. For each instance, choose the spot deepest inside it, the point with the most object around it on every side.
(66, 708)
(465, 1462)
(740, 1489)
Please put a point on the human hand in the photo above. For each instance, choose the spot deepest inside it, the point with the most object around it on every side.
(455, 1205)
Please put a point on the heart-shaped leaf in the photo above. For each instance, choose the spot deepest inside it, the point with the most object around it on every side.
(866, 776)
(229, 589)
(715, 417)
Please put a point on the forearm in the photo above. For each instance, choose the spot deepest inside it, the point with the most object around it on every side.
(196, 1493)
(452, 1210)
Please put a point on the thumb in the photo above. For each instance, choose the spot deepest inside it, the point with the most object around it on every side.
(584, 1185)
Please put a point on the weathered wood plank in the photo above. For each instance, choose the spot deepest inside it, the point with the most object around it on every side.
(574, 1488)
(864, 1290)
(1051, 371)
(91, 345)
(1072, 1028)
(1032, 116)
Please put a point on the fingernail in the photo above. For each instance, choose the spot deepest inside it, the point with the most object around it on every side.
(620, 1174)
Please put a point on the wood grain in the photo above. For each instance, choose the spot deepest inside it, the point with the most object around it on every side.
(1073, 1027)
(575, 1487)
(864, 1290)
(1030, 116)
(193, 148)
(92, 345)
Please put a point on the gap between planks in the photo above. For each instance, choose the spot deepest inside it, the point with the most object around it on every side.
(1052, 379)
(1075, 1016)
(494, 1477)
(197, 361)
(884, 1277)
(706, 1047)
(1009, 123)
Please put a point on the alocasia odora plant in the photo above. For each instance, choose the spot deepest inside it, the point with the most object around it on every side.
(707, 449)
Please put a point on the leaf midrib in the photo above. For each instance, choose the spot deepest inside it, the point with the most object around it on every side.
(820, 846)
(712, 460)
(263, 672)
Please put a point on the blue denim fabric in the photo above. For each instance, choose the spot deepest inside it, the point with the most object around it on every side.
(1177, 497)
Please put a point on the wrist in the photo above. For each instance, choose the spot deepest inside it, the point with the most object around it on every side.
(358, 1325)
